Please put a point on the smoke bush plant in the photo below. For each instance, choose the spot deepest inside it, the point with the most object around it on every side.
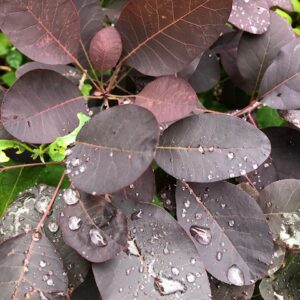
(164, 197)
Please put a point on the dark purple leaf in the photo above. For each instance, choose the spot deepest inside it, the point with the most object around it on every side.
(257, 52)
(209, 148)
(161, 261)
(189, 70)
(106, 48)
(280, 86)
(41, 106)
(168, 98)
(4, 135)
(91, 19)
(31, 269)
(292, 117)
(94, 228)
(221, 290)
(29, 207)
(47, 31)
(229, 230)
(142, 189)
(278, 259)
(163, 37)
(281, 205)
(284, 161)
(250, 15)
(67, 71)
(113, 150)
(207, 73)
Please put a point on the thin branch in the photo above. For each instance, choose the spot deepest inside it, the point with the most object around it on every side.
(249, 109)
(31, 165)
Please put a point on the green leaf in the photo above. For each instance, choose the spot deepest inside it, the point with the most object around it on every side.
(4, 44)
(14, 181)
(51, 175)
(9, 144)
(297, 30)
(14, 58)
(86, 89)
(268, 117)
(9, 78)
(156, 201)
(59, 146)
(285, 15)
(296, 5)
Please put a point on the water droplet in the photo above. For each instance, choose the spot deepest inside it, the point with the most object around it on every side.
(97, 238)
(42, 264)
(175, 271)
(230, 155)
(42, 204)
(187, 203)
(68, 152)
(193, 261)
(190, 277)
(71, 196)
(231, 223)
(235, 276)
(111, 154)
(50, 282)
(136, 215)
(53, 227)
(200, 234)
(243, 172)
(82, 168)
(198, 216)
(200, 149)
(36, 236)
(74, 223)
(219, 256)
(167, 286)
(75, 162)
(255, 166)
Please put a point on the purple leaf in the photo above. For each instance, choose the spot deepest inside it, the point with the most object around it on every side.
(285, 4)
(226, 225)
(41, 106)
(163, 37)
(106, 48)
(47, 31)
(292, 117)
(168, 98)
(113, 150)
(209, 148)
(160, 262)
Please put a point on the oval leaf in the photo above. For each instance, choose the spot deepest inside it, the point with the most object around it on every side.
(27, 261)
(94, 228)
(252, 15)
(41, 106)
(106, 48)
(256, 53)
(229, 230)
(208, 148)
(281, 205)
(50, 31)
(164, 37)
(280, 86)
(160, 262)
(168, 98)
(113, 150)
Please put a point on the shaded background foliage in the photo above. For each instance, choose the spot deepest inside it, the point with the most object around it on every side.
(157, 158)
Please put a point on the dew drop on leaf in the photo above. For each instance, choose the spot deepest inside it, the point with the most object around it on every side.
(235, 276)
(53, 227)
(42, 204)
(71, 196)
(74, 223)
(97, 238)
(136, 215)
(200, 234)
(168, 286)
(190, 277)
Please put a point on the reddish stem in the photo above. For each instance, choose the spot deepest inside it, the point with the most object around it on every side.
(31, 165)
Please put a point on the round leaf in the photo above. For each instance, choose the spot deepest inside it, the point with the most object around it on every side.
(164, 37)
(208, 148)
(229, 230)
(50, 30)
(168, 98)
(41, 106)
(106, 48)
(160, 262)
(113, 150)
(94, 228)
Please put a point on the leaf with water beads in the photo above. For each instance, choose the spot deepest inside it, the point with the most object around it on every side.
(110, 155)
(281, 206)
(25, 213)
(160, 262)
(31, 268)
(229, 230)
(94, 228)
(209, 148)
